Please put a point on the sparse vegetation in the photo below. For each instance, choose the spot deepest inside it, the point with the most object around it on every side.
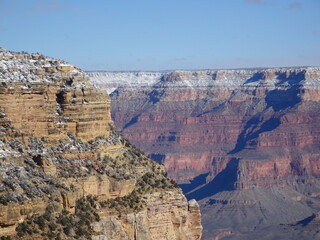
(122, 205)
(33, 170)
(61, 224)
(5, 238)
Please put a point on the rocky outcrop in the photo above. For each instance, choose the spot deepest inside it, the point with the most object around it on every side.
(49, 104)
(66, 172)
(228, 130)
(163, 219)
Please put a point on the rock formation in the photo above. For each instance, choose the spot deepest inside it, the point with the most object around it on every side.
(67, 173)
(237, 140)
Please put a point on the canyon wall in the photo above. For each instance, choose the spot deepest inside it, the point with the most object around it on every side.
(67, 173)
(253, 131)
(212, 116)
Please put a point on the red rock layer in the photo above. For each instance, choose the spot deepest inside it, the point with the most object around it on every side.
(270, 122)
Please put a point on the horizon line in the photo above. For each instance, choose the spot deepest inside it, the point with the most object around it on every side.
(206, 69)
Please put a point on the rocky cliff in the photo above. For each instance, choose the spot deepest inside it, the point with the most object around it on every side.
(243, 142)
(67, 173)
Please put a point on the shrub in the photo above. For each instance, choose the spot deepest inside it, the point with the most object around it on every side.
(5, 238)
(4, 199)
(40, 221)
(52, 226)
(22, 229)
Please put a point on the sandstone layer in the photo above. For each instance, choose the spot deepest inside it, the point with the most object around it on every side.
(67, 173)
(253, 131)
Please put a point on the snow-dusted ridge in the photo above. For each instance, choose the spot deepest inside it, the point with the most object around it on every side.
(32, 68)
(309, 77)
(113, 80)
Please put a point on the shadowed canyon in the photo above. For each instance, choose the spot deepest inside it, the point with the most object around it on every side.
(245, 143)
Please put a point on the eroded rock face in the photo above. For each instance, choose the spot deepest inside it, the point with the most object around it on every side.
(66, 172)
(210, 115)
(164, 218)
(227, 130)
(51, 103)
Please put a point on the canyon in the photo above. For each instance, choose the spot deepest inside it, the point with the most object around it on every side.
(245, 143)
(65, 170)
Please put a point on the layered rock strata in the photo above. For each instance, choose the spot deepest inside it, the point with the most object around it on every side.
(66, 172)
(212, 115)
(253, 131)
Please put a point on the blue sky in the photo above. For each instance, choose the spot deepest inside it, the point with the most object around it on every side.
(166, 34)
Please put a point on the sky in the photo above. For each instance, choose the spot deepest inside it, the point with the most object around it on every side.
(152, 35)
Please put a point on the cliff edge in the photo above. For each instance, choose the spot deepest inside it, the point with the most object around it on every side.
(67, 173)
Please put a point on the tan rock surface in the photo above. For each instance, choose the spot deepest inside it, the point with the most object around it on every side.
(59, 148)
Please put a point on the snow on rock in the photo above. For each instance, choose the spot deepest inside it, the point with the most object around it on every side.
(113, 80)
(31, 68)
(6, 151)
(272, 78)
